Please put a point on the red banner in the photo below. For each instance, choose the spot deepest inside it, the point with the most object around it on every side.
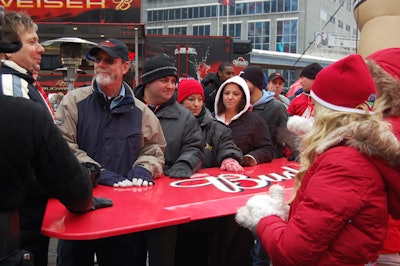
(118, 11)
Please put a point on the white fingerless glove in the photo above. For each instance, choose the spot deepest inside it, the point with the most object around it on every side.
(260, 206)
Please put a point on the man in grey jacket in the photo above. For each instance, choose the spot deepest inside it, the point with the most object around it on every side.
(184, 151)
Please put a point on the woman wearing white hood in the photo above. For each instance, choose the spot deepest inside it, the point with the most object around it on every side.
(249, 131)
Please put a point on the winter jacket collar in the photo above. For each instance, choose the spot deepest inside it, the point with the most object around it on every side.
(10, 67)
(266, 97)
(124, 98)
(207, 118)
(139, 93)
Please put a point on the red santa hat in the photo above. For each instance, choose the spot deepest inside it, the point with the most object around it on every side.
(389, 60)
(344, 85)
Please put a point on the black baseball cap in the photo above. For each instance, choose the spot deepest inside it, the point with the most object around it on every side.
(113, 48)
(276, 75)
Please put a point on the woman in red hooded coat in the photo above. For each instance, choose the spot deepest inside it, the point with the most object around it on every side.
(347, 184)
(385, 69)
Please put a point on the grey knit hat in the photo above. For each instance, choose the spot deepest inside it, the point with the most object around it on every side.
(158, 67)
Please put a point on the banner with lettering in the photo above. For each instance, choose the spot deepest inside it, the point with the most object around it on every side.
(116, 11)
(207, 194)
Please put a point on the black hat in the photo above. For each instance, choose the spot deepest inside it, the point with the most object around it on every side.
(113, 48)
(311, 70)
(158, 67)
(276, 75)
(254, 74)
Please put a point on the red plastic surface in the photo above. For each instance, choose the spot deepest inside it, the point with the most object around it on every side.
(209, 193)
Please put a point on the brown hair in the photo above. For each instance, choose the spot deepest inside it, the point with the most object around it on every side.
(221, 106)
(16, 23)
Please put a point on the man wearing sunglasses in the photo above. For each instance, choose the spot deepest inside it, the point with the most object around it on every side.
(103, 125)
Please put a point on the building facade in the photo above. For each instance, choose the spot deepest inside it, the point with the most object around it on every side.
(323, 28)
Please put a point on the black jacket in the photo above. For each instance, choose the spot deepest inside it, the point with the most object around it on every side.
(218, 142)
(210, 84)
(31, 143)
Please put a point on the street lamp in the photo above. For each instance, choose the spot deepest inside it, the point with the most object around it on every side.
(71, 58)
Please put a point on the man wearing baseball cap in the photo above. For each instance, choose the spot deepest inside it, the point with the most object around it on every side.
(275, 85)
(103, 124)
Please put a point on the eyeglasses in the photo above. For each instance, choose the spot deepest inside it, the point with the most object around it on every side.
(107, 60)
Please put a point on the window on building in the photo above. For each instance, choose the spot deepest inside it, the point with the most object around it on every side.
(202, 11)
(260, 7)
(190, 13)
(203, 30)
(184, 13)
(235, 30)
(177, 30)
(340, 24)
(255, 8)
(178, 14)
(286, 36)
(154, 30)
(259, 33)
(171, 14)
(207, 11)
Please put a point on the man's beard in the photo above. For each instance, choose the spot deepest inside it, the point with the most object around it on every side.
(103, 80)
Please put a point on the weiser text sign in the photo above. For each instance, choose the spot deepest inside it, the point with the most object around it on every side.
(116, 11)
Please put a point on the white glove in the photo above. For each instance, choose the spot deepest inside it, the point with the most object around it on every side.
(141, 183)
(260, 206)
(125, 183)
(299, 125)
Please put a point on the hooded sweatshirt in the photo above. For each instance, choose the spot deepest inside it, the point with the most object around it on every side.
(249, 131)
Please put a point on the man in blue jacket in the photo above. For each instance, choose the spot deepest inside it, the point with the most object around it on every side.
(106, 125)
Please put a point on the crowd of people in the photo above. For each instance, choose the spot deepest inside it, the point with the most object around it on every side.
(347, 187)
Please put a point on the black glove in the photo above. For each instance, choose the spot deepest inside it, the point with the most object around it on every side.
(109, 178)
(99, 203)
(179, 170)
(294, 156)
(94, 172)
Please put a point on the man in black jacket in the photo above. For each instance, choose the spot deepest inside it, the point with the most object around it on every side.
(212, 81)
(31, 145)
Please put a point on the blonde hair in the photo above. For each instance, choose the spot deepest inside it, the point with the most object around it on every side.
(368, 133)
(388, 88)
